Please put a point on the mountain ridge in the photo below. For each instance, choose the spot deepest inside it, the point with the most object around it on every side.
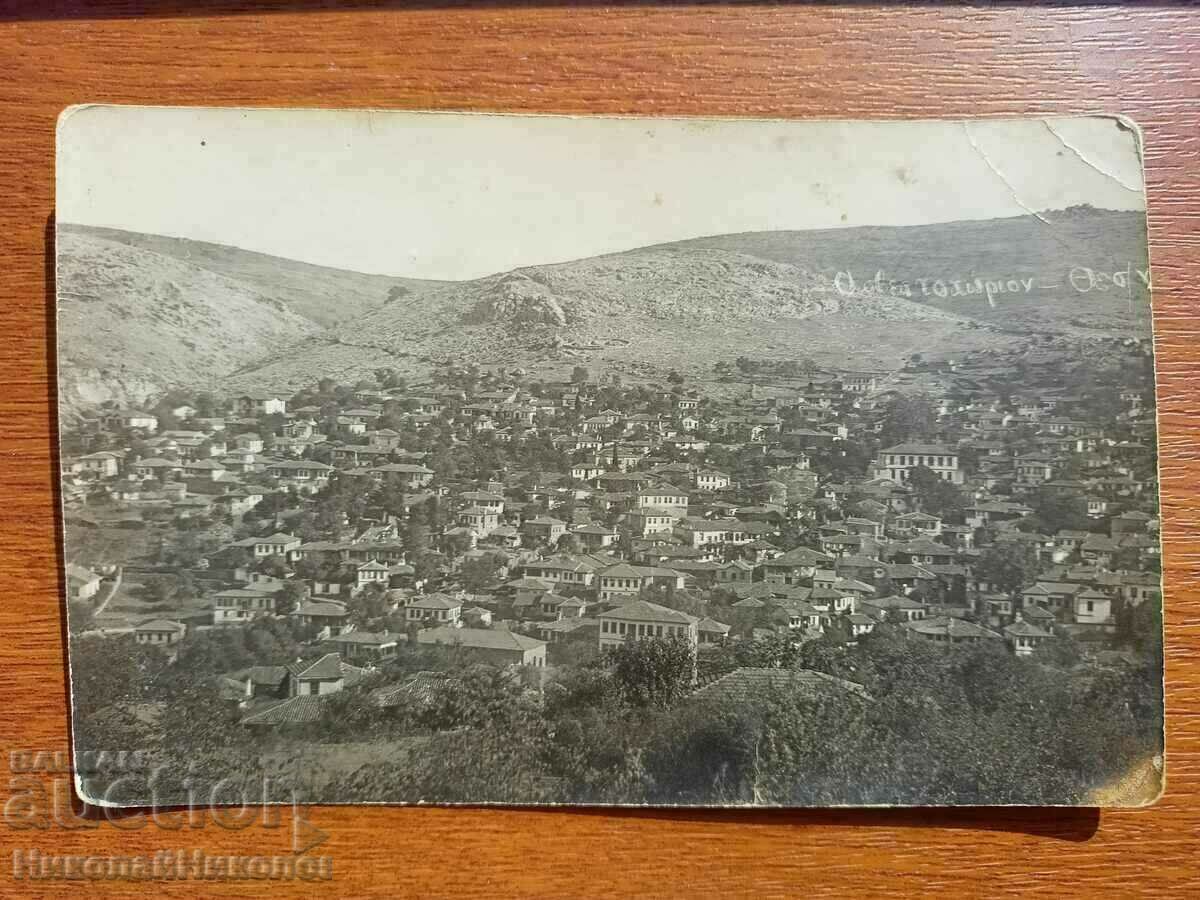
(824, 294)
(302, 285)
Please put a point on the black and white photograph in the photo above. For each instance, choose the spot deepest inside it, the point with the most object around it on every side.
(495, 459)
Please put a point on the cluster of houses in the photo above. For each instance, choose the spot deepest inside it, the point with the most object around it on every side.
(638, 533)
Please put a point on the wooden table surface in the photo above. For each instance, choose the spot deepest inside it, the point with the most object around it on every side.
(763, 61)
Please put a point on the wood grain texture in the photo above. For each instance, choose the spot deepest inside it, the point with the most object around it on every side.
(711, 60)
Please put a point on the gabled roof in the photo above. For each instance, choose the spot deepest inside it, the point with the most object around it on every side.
(645, 611)
(950, 627)
(436, 601)
(162, 625)
(799, 556)
(529, 584)
(904, 570)
(750, 684)
(1046, 588)
(265, 675)
(300, 465)
(1021, 628)
(328, 608)
(327, 666)
(712, 626)
(749, 603)
(418, 690)
(479, 638)
(277, 538)
(621, 570)
(481, 496)
(246, 592)
(894, 601)
(365, 639)
(853, 585)
(294, 710)
(926, 449)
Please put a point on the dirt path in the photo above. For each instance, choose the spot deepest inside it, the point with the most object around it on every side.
(113, 588)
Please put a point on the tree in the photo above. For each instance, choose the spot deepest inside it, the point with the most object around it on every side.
(113, 670)
(416, 536)
(907, 419)
(479, 572)
(367, 605)
(1009, 565)
(1054, 510)
(935, 495)
(158, 589)
(653, 671)
(81, 615)
(291, 595)
(579, 375)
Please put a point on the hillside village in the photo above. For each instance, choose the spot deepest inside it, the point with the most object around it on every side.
(393, 533)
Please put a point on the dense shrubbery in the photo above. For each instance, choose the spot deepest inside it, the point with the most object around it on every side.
(941, 725)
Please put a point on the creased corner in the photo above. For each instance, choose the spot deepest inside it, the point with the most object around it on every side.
(1008, 184)
(1093, 164)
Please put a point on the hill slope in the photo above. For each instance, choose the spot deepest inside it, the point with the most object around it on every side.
(773, 294)
(326, 296)
(640, 312)
(144, 312)
(132, 322)
(1044, 248)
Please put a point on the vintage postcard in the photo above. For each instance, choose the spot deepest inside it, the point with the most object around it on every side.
(416, 457)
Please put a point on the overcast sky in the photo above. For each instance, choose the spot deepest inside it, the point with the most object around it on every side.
(459, 196)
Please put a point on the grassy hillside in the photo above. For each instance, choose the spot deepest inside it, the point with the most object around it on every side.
(324, 295)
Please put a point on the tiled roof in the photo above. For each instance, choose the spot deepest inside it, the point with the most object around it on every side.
(327, 666)
(1025, 629)
(292, 711)
(366, 638)
(162, 625)
(746, 685)
(951, 627)
(481, 638)
(645, 611)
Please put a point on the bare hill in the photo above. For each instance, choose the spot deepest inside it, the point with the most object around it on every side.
(325, 295)
(1053, 252)
(132, 322)
(641, 312)
(142, 312)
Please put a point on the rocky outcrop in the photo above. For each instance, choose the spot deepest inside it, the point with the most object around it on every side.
(516, 299)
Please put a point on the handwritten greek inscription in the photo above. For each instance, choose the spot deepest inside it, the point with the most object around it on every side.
(1082, 279)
